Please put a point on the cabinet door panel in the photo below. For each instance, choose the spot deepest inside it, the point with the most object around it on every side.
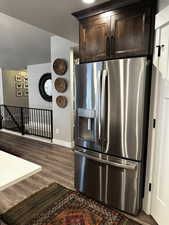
(130, 32)
(93, 39)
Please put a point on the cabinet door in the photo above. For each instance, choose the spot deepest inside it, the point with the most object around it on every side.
(94, 35)
(130, 32)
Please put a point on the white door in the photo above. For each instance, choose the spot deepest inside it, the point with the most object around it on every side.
(160, 186)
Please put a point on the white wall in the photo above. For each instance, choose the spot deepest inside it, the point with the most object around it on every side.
(1, 88)
(161, 19)
(162, 4)
(34, 74)
(63, 118)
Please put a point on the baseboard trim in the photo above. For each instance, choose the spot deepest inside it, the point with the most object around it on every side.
(27, 136)
(66, 144)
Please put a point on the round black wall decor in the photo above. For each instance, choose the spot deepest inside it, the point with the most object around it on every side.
(45, 87)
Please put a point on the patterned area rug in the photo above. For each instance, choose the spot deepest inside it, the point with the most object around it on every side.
(57, 205)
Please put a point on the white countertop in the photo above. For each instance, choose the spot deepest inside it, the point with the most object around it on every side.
(14, 169)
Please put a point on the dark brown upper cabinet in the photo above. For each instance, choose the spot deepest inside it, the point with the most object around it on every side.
(94, 36)
(130, 32)
(116, 33)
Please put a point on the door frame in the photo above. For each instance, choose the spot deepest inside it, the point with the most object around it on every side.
(161, 20)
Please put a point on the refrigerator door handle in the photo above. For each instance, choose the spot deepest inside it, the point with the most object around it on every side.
(99, 104)
(115, 164)
(108, 112)
(103, 106)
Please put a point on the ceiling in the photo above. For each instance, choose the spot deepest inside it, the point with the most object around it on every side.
(26, 28)
(53, 16)
(22, 44)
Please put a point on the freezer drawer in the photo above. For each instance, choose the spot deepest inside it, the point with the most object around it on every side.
(89, 177)
(112, 181)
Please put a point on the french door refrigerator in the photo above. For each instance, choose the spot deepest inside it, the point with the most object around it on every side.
(111, 130)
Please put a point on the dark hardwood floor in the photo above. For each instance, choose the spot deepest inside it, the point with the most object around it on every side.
(58, 166)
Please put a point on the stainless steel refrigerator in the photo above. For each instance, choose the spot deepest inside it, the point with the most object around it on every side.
(110, 133)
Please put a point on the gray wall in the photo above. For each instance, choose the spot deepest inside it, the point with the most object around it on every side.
(22, 44)
(34, 74)
(9, 90)
(63, 118)
(162, 4)
(1, 88)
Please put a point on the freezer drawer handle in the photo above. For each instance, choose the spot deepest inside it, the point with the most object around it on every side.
(123, 166)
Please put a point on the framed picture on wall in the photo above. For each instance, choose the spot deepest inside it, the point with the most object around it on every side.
(19, 85)
(25, 79)
(19, 93)
(26, 92)
(23, 73)
(25, 85)
(18, 78)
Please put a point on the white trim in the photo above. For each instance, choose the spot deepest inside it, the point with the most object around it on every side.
(54, 141)
(71, 63)
(36, 138)
(151, 133)
(64, 143)
(10, 132)
(27, 136)
(151, 148)
(162, 18)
